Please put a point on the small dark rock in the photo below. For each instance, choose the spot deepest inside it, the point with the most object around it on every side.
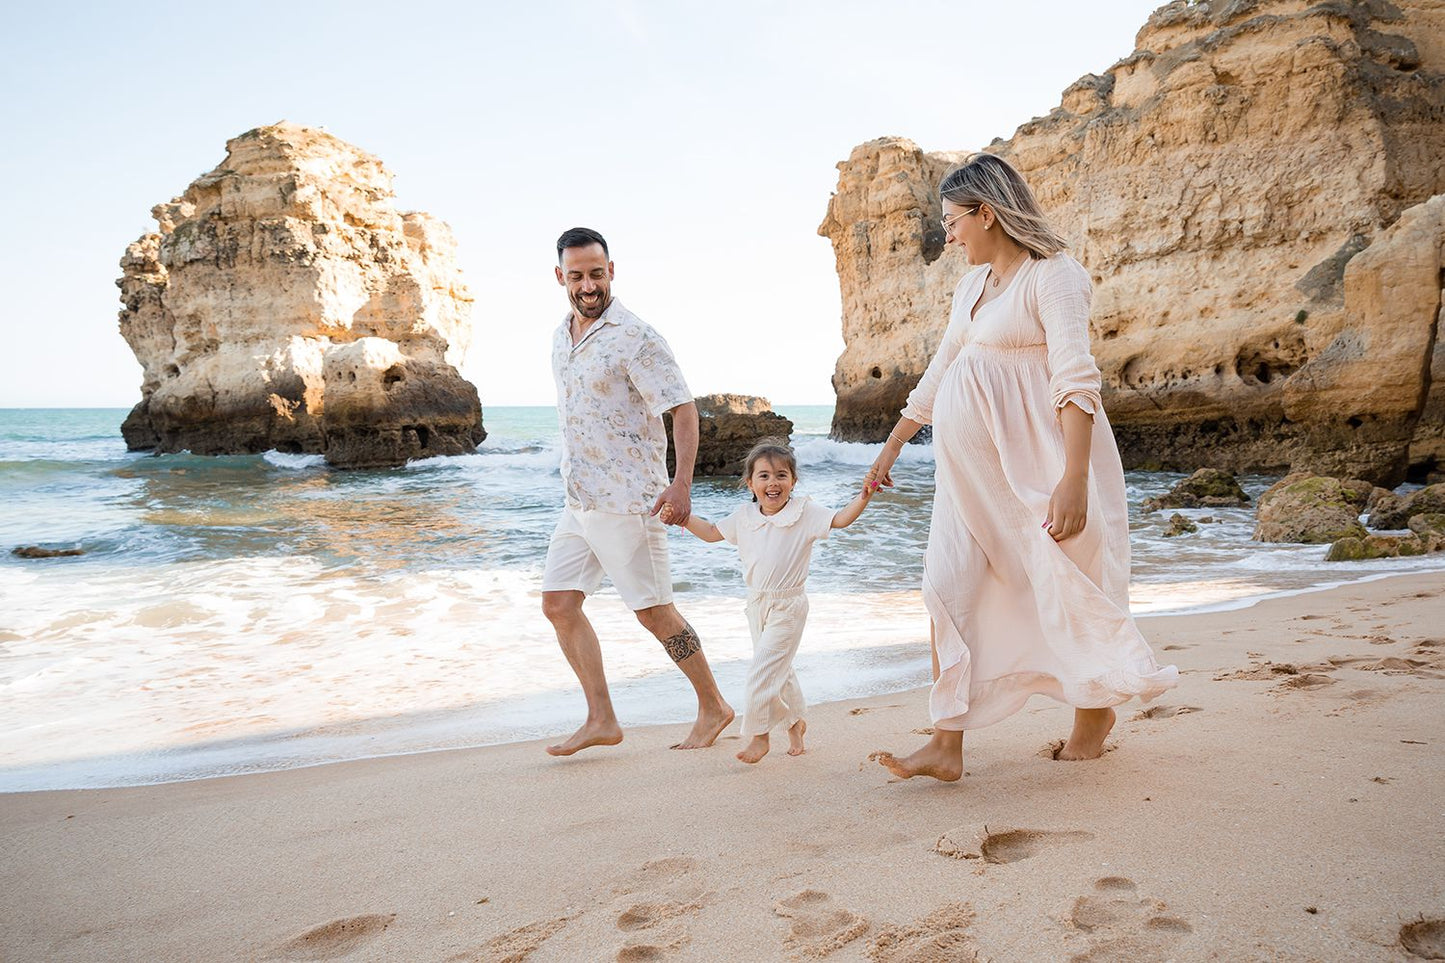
(35, 551)
(1206, 488)
(1179, 525)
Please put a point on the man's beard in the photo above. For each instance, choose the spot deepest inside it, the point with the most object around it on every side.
(595, 310)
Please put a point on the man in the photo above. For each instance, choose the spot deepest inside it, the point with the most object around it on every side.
(615, 377)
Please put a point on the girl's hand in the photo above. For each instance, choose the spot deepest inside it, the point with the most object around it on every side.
(666, 515)
(1068, 508)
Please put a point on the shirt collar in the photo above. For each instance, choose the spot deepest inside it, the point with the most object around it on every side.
(613, 315)
(782, 518)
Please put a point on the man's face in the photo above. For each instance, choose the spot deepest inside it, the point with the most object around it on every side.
(587, 275)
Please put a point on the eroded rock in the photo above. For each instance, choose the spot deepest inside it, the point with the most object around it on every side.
(1396, 511)
(1220, 184)
(285, 303)
(728, 427)
(1206, 488)
(1311, 509)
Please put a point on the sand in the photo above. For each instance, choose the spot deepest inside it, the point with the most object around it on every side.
(1286, 802)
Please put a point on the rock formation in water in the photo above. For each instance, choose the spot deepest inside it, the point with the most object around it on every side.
(1220, 184)
(728, 427)
(285, 303)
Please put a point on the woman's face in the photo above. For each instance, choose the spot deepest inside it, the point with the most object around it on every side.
(963, 225)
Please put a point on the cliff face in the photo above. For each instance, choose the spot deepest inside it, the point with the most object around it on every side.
(1217, 183)
(285, 303)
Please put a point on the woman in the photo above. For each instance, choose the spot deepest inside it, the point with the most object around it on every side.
(1026, 575)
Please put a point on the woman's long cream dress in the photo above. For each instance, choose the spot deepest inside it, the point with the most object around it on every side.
(1014, 612)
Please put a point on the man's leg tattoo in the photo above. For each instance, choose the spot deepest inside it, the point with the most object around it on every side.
(683, 644)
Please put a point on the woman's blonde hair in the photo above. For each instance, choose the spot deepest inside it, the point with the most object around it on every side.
(775, 450)
(991, 180)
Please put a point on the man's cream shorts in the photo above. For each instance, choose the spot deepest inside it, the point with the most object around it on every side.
(629, 549)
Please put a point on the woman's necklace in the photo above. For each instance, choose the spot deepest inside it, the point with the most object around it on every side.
(999, 277)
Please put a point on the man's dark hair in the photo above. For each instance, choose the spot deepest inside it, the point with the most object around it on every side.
(580, 237)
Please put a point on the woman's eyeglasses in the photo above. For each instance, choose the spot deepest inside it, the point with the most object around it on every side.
(948, 222)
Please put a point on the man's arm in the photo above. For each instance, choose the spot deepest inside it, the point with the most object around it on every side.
(678, 495)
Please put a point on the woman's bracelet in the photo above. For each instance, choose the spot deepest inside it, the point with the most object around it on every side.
(901, 441)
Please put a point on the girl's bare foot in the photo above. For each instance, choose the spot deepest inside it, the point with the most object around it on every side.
(942, 758)
(755, 750)
(795, 738)
(1091, 727)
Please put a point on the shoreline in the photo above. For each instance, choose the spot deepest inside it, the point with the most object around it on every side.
(1282, 803)
(441, 719)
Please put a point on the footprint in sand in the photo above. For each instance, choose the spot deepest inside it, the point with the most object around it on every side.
(816, 928)
(335, 939)
(1424, 938)
(1306, 680)
(1120, 925)
(1175, 648)
(513, 946)
(668, 895)
(1163, 712)
(1393, 665)
(1004, 845)
(940, 937)
(861, 710)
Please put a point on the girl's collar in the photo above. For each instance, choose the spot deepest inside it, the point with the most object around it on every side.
(782, 518)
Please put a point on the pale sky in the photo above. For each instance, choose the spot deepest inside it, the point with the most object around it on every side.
(700, 138)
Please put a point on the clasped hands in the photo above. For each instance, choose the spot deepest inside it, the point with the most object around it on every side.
(674, 505)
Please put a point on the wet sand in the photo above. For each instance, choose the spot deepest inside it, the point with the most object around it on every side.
(1284, 803)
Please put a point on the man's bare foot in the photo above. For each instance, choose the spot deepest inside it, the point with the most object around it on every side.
(709, 725)
(591, 734)
(795, 738)
(942, 758)
(1091, 727)
(754, 750)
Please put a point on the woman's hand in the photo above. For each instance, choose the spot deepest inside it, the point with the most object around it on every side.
(881, 473)
(1068, 507)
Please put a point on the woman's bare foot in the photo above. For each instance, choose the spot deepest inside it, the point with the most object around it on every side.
(942, 758)
(754, 750)
(607, 733)
(709, 725)
(795, 738)
(1091, 727)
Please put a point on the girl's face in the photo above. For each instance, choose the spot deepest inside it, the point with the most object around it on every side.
(771, 484)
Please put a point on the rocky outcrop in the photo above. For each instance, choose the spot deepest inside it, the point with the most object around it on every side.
(1311, 509)
(285, 303)
(1206, 488)
(728, 427)
(1353, 549)
(1220, 184)
(1395, 512)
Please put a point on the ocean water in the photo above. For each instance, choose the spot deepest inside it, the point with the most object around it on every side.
(248, 613)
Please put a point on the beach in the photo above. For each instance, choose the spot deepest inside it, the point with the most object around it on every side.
(1283, 803)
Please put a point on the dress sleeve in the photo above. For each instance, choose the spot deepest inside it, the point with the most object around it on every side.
(728, 527)
(919, 407)
(818, 521)
(1064, 293)
(656, 376)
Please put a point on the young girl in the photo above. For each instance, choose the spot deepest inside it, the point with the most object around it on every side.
(775, 534)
